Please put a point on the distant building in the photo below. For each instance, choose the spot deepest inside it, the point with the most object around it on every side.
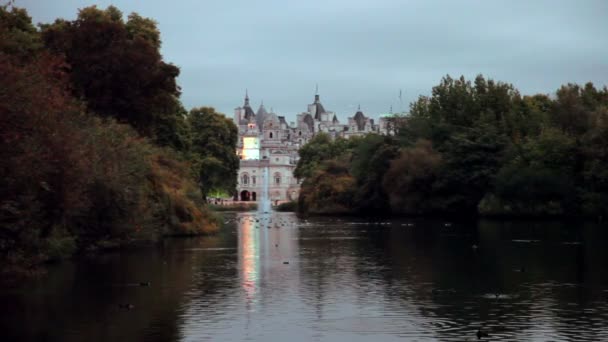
(268, 141)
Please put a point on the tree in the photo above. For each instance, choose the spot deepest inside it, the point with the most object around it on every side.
(116, 67)
(173, 129)
(371, 156)
(330, 189)
(70, 180)
(595, 169)
(319, 149)
(214, 139)
(18, 36)
(471, 160)
(410, 178)
(541, 177)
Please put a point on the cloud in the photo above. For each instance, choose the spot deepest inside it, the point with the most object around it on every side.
(364, 51)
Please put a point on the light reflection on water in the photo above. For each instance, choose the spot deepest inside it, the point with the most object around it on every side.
(274, 277)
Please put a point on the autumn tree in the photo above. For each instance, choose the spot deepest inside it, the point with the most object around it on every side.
(410, 178)
(117, 69)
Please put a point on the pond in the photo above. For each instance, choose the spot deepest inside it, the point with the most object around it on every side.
(276, 277)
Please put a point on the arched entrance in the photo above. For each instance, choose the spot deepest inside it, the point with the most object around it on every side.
(245, 195)
(253, 196)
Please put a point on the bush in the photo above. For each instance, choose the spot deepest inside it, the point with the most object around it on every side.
(251, 206)
(287, 206)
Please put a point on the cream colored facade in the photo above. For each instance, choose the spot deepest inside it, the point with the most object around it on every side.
(267, 141)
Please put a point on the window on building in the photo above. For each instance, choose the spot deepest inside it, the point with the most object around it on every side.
(253, 180)
(245, 179)
(270, 135)
(277, 178)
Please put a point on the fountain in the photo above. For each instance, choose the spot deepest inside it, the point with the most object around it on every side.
(265, 198)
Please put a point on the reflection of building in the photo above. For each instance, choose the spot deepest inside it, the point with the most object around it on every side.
(268, 141)
(249, 256)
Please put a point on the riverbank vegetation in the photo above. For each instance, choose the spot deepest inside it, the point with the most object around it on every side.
(287, 206)
(238, 206)
(468, 149)
(97, 150)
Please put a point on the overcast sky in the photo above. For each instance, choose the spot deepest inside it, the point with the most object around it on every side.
(363, 52)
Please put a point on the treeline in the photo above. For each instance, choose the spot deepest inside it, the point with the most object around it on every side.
(471, 148)
(97, 150)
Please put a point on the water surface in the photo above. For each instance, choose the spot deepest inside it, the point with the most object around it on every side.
(275, 277)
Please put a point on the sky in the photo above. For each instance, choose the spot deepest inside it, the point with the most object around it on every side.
(362, 52)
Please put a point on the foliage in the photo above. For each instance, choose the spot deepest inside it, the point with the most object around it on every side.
(475, 147)
(319, 149)
(410, 178)
(330, 190)
(287, 206)
(71, 180)
(179, 197)
(471, 158)
(214, 139)
(247, 206)
(117, 69)
(18, 37)
(370, 160)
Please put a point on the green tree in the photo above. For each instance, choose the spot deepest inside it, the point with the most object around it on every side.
(541, 177)
(371, 157)
(18, 36)
(471, 160)
(595, 170)
(173, 129)
(319, 149)
(214, 139)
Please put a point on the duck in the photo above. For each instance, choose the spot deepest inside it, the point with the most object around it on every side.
(481, 334)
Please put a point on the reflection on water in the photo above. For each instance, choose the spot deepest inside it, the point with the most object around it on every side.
(274, 277)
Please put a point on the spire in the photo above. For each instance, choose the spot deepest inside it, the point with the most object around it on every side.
(249, 114)
(359, 107)
(317, 93)
(391, 110)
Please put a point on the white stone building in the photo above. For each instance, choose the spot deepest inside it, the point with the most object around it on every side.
(267, 141)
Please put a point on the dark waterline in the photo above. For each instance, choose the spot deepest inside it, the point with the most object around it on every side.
(329, 279)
